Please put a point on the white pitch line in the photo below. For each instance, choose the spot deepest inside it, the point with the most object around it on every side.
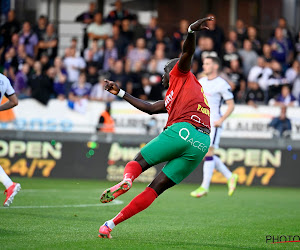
(114, 202)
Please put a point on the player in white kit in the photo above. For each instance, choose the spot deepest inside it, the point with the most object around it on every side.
(216, 90)
(6, 89)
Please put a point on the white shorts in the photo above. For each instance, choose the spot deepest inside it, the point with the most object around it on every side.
(215, 136)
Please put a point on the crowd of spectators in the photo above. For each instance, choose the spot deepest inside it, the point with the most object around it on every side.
(118, 47)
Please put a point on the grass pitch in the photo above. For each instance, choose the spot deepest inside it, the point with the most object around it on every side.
(66, 214)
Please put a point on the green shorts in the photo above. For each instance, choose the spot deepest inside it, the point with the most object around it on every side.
(182, 146)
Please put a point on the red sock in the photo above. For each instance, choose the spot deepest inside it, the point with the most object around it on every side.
(138, 204)
(132, 170)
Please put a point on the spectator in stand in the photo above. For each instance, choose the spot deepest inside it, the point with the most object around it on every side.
(254, 94)
(41, 86)
(215, 32)
(10, 64)
(151, 28)
(98, 92)
(86, 18)
(98, 30)
(282, 49)
(14, 43)
(118, 75)
(252, 37)
(40, 27)
(10, 27)
(293, 72)
(275, 80)
(94, 54)
(134, 84)
(74, 43)
(267, 53)
(29, 39)
(296, 88)
(293, 77)
(206, 45)
(297, 46)
(49, 43)
(140, 54)
(137, 29)
(285, 98)
(21, 82)
(159, 37)
(240, 30)
(45, 63)
(118, 14)
(73, 66)
(208, 48)
(60, 79)
(79, 94)
(126, 32)
(158, 62)
(120, 42)
(110, 54)
(249, 57)
(259, 74)
(237, 81)
(282, 23)
(282, 125)
(178, 36)
(21, 55)
(92, 73)
(149, 90)
(230, 53)
(232, 37)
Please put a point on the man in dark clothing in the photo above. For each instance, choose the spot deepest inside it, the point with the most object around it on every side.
(41, 85)
(281, 124)
(9, 28)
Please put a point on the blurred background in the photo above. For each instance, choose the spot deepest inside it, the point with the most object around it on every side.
(57, 54)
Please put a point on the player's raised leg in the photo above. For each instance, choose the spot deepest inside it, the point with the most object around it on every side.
(138, 204)
(11, 188)
(231, 178)
(132, 170)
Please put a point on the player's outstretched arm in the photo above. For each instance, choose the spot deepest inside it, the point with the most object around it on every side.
(12, 102)
(155, 108)
(190, 43)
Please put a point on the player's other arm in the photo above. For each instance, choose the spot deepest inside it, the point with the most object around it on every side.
(149, 108)
(229, 110)
(12, 102)
(189, 44)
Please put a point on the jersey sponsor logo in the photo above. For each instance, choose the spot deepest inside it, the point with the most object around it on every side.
(198, 120)
(184, 134)
(168, 100)
(203, 110)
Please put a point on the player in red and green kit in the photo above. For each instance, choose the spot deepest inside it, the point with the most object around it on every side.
(184, 141)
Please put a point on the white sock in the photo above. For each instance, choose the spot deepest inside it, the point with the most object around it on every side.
(222, 168)
(208, 169)
(6, 181)
(110, 224)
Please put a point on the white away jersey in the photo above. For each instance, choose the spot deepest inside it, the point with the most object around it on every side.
(5, 87)
(216, 91)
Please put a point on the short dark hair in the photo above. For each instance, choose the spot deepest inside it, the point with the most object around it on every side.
(215, 60)
(170, 64)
